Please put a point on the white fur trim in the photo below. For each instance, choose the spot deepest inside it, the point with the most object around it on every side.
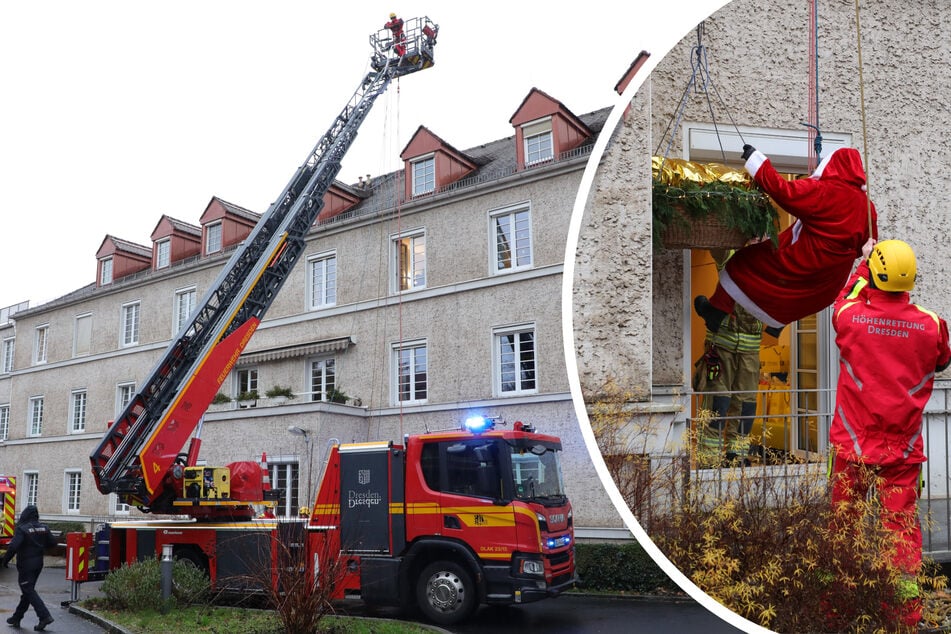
(741, 298)
(754, 162)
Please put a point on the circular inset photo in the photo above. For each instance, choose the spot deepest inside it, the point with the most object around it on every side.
(757, 314)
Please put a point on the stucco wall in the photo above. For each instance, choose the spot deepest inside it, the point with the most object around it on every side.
(758, 56)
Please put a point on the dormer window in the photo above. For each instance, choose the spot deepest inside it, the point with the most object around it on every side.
(538, 141)
(105, 271)
(213, 238)
(424, 175)
(163, 253)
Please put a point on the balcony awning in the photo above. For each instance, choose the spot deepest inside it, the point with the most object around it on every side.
(296, 350)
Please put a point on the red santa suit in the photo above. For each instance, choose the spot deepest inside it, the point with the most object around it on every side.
(804, 273)
(889, 352)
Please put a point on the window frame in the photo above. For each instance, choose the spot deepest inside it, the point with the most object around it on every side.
(178, 320)
(414, 239)
(7, 355)
(512, 212)
(106, 271)
(214, 233)
(78, 334)
(163, 253)
(31, 488)
(500, 363)
(532, 134)
(322, 293)
(36, 406)
(323, 395)
(5, 421)
(129, 331)
(122, 388)
(423, 174)
(41, 344)
(72, 489)
(397, 350)
(81, 411)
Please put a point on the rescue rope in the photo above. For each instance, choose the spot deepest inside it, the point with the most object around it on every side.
(700, 70)
(815, 131)
(868, 186)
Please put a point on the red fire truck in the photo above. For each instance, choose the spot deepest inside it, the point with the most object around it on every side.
(446, 520)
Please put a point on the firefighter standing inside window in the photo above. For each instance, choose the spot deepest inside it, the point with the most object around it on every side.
(734, 349)
(890, 350)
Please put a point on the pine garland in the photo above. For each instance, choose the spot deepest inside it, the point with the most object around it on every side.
(747, 210)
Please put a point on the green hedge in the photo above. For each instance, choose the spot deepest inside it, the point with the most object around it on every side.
(620, 568)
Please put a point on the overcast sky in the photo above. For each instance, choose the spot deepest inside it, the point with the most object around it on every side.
(115, 112)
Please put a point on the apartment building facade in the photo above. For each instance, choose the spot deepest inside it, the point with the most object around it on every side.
(423, 296)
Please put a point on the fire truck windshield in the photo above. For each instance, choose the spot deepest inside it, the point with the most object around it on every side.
(536, 473)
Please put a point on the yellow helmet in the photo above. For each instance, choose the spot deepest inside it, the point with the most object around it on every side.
(392, 15)
(892, 266)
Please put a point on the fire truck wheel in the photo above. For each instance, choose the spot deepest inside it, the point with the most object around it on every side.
(190, 556)
(446, 592)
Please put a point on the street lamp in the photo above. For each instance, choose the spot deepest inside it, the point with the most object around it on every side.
(300, 431)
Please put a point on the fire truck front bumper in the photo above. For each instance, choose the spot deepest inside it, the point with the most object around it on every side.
(502, 587)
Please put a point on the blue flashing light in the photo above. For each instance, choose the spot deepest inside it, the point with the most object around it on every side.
(559, 542)
(478, 424)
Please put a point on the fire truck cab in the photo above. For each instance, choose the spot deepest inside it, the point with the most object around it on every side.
(448, 520)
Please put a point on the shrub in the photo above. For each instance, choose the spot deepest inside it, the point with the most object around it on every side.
(620, 568)
(766, 542)
(139, 585)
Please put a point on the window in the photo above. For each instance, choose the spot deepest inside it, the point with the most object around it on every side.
(411, 373)
(515, 356)
(184, 305)
(322, 379)
(163, 253)
(105, 271)
(4, 422)
(32, 485)
(130, 324)
(424, 176)
(72, 488)
(213, 238)
(40, 343)
(285, 477)
(538, 142)
(511, 239)
(323, 280)
(82, 335)
(411, 261)
(246, 382)
(124, 394)
(35, 413)
(77, 411)
(7, 351)
(116, 507)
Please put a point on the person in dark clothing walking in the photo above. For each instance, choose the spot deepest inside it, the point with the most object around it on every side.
(30, 539)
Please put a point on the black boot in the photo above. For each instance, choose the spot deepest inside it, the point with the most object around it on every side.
(773, 331)
(711, 315)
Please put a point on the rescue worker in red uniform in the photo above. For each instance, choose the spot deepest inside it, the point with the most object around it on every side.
(890, 350)
(803, 274)
(395, 25)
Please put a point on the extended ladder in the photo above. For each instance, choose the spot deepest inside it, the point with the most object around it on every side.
(137, 454)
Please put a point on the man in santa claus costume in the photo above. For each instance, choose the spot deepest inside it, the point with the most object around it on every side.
(779, 284)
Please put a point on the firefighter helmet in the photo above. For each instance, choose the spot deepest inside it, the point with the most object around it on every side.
(392, 16)
(892, 266)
